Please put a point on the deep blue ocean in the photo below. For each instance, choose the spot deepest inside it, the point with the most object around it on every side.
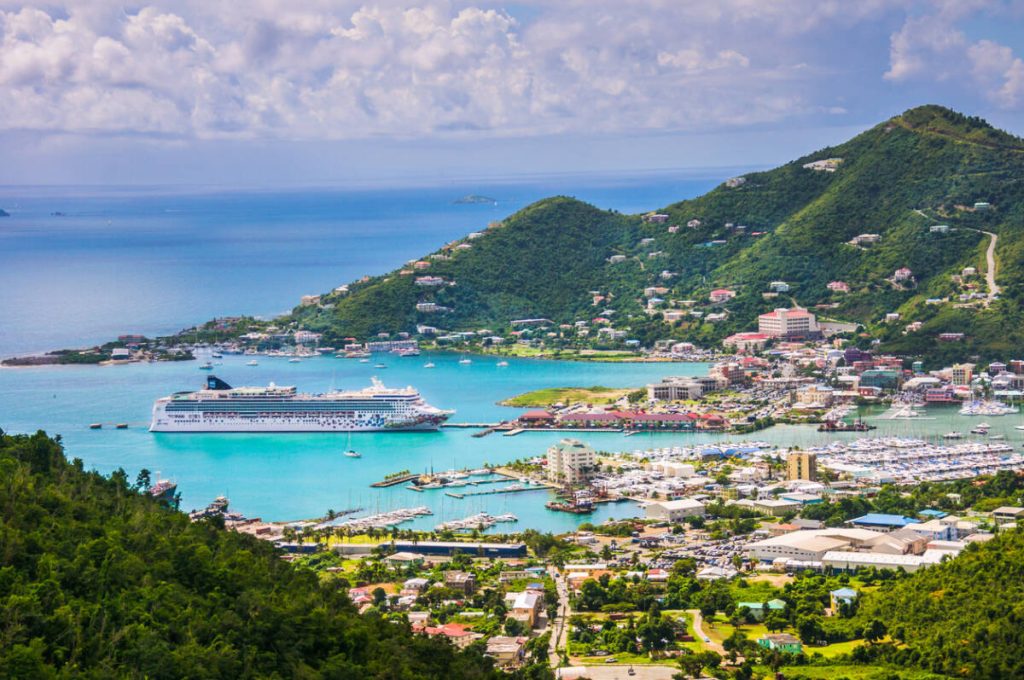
(82, 265)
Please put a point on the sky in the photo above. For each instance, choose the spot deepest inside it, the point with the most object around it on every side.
(278, 92)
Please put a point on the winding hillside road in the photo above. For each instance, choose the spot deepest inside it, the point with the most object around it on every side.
(990, 269)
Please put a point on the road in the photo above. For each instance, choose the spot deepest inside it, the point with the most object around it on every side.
(618, 672)
(990, 269)
(698, 631)
(560, 625)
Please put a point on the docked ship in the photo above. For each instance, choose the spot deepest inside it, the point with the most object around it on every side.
(223, 408)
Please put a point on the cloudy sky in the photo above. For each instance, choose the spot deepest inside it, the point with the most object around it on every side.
(268, 91)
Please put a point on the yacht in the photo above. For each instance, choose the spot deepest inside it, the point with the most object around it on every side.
(502, 363)
(429, 364)
(465, 361)
(208, 366)
(295, 360)
(380, 365)
(252, 362)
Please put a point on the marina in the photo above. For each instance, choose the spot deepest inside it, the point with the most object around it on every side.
(285, 476)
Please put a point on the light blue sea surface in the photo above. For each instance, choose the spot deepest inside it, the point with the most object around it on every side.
(293, 476)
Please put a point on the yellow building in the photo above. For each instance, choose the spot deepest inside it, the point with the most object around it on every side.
(802, 465)
(962, 374)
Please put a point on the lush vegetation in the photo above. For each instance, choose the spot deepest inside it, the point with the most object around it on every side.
(568, 395)
(928, 166)
(98, 580)
(963, 618)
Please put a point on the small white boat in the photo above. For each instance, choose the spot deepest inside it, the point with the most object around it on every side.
(953, 435)
(429, 364)
(206, 367)
(295, 360)
(364, 361)
(1019, 427)
(465, 361)
(353, 454)
(502, 363)
(379, 366)
(252, 362)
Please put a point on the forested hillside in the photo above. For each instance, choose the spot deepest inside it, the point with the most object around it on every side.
(568, 261)
(963, 618)
(97, 580)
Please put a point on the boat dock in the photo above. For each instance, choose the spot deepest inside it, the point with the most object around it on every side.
(395, 481)
(491, 492)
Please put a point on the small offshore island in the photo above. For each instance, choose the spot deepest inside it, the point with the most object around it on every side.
(475, 199)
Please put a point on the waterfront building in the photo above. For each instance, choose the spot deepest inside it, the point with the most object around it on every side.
(882, 378)
(961, 374)
(449, 548)
(682, 388)
(570, 461)
(788, 323)
(802, 465)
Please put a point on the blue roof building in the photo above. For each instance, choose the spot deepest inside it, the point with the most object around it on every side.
(881, 522)
(842, 596)
(931, 513)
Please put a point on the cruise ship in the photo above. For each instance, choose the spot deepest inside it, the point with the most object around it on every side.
(223, 408)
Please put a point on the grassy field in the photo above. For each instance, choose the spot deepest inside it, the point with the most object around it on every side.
(567, 395)
(626, 659)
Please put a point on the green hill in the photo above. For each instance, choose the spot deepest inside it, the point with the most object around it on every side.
(98, 581)
(963, 618)
(929, 166)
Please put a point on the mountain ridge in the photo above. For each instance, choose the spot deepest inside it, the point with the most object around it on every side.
(571, 262)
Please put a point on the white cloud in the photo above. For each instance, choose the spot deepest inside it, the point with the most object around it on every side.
(337, 70)
(932, 47)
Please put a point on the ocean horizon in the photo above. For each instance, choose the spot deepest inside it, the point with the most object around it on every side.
(83, 264)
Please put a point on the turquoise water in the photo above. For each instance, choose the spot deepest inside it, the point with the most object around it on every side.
(293, 476)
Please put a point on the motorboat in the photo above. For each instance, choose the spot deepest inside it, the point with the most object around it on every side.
(252, 362)
(429, 364)
(208, 366)
(502, 363)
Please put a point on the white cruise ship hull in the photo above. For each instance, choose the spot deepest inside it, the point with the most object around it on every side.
(278, 425)
(221, 408)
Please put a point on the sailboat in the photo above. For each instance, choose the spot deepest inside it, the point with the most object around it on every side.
(465, 361)
(352, 453)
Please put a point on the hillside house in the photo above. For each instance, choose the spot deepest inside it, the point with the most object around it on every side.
(865, 239)
(720, 295)
(902, 274)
